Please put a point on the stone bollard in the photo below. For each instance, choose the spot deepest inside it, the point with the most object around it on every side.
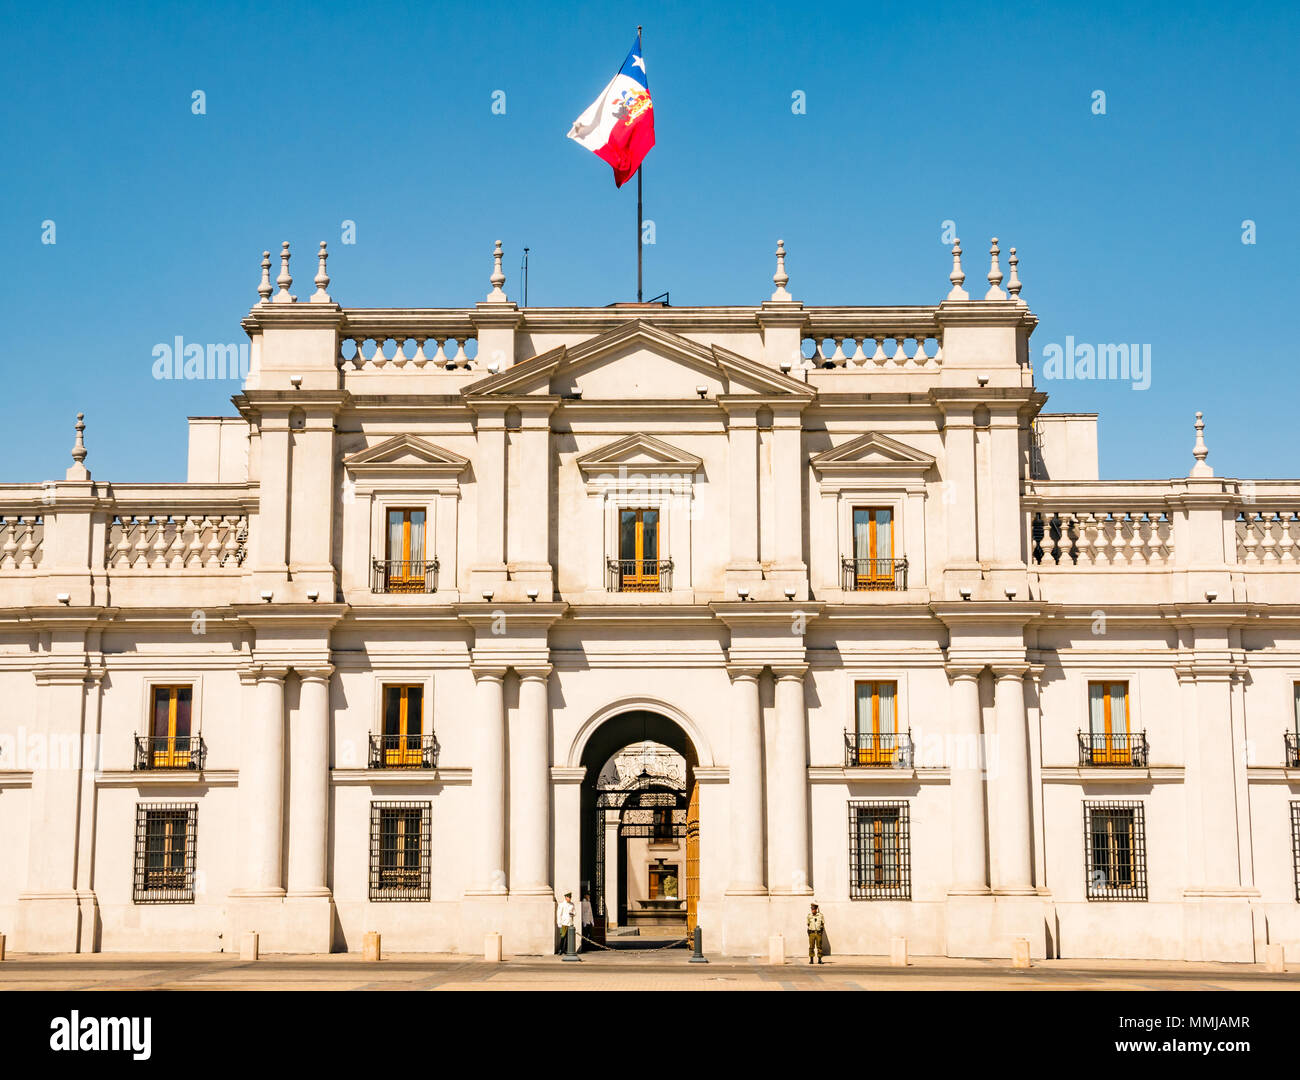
(370, 945)
(248, 946)
(898, 951)
(1020, 953)
(492, 948)
(776, 949)
(1274, 956)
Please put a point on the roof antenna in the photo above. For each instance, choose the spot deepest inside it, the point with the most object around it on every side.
(525, 272)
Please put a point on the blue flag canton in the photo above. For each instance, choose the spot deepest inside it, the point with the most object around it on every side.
(634, 66)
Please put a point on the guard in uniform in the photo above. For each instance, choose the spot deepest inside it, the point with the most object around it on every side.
(816, 930)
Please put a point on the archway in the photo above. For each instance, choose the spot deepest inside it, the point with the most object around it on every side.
(638, 795)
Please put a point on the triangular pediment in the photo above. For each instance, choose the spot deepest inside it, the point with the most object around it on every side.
(639, 360)
(872, 452)
(638, 453)
(406, 454)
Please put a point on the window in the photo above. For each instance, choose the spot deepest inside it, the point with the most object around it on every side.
(1114, 848)
(663, 881)
(1108, 740)
(1295, 845)
(399, 850)
(873, 548)
(876, 740)
(402, 744)
(405, 569)
(169, 732)
(662, 826)
(164, 853)
(638, 551)
(879, 850)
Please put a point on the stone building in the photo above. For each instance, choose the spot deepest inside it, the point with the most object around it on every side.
(363, 669)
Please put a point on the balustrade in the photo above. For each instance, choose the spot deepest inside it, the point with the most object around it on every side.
(422, 352)
(22, 538)
(175, 541)
(1100, 538)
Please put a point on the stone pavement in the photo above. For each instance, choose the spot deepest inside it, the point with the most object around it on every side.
(612, 971)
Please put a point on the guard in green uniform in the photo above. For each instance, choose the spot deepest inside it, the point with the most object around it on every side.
(816, 930)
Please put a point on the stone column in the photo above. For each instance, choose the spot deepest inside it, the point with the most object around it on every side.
(966, 786)
(789, 829)
(261, 787)
(746, 784)
(309, 786)
(489, 781)
(1015, 835)
(530, 782)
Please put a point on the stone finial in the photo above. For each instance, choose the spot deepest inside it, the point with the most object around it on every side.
(264, 286)
(498, 278)
(1200, 451)
(995, 275)
(284, 280)
(1013, 278)
(77, 470)
(958, 275)
(320, 296)
(781, 279)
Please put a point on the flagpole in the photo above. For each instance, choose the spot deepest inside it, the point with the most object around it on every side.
(638, 195)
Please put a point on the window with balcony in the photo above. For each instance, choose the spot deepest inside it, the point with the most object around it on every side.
(638, 567)
(399, 850)
(170, 743)
(1114, 849)
(405, 569)
(403, 743)
(880, 864)
(875, 738)
(873, 567)
(1108, 740)
(1292, 738)
(164, 853)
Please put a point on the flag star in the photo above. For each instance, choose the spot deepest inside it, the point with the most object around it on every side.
(639, 62)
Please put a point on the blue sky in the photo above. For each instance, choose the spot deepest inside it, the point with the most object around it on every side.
(1128, 224)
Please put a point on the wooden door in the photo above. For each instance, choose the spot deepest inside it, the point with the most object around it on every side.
(692, 860)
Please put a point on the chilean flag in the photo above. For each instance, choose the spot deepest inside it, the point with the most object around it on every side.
(619, 126)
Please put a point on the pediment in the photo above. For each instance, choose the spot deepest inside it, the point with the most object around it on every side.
(870, 453)
(406, 454)
(638, 454)
(639, 360)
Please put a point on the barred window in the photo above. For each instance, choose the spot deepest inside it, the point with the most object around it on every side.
(880, 856)
(164, 852)
(1114, 850)
(399, 850)
(1295, 844)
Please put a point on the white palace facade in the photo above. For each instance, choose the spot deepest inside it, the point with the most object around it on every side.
(901, 650)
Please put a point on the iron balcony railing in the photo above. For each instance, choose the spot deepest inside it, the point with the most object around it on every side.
(398, 576)
(1126, 749)
(638, 575)
(874, 575)
(403, 752)
(1292, 750)
(163, 752)
(887, 750)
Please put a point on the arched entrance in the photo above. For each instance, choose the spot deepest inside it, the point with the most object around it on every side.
(640, 827)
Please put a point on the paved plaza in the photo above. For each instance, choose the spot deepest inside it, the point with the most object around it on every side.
(613, 971)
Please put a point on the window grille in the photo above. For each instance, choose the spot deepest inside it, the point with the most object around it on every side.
(164, 852)
(399, 850)
(1114, 850)
(880, 855)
